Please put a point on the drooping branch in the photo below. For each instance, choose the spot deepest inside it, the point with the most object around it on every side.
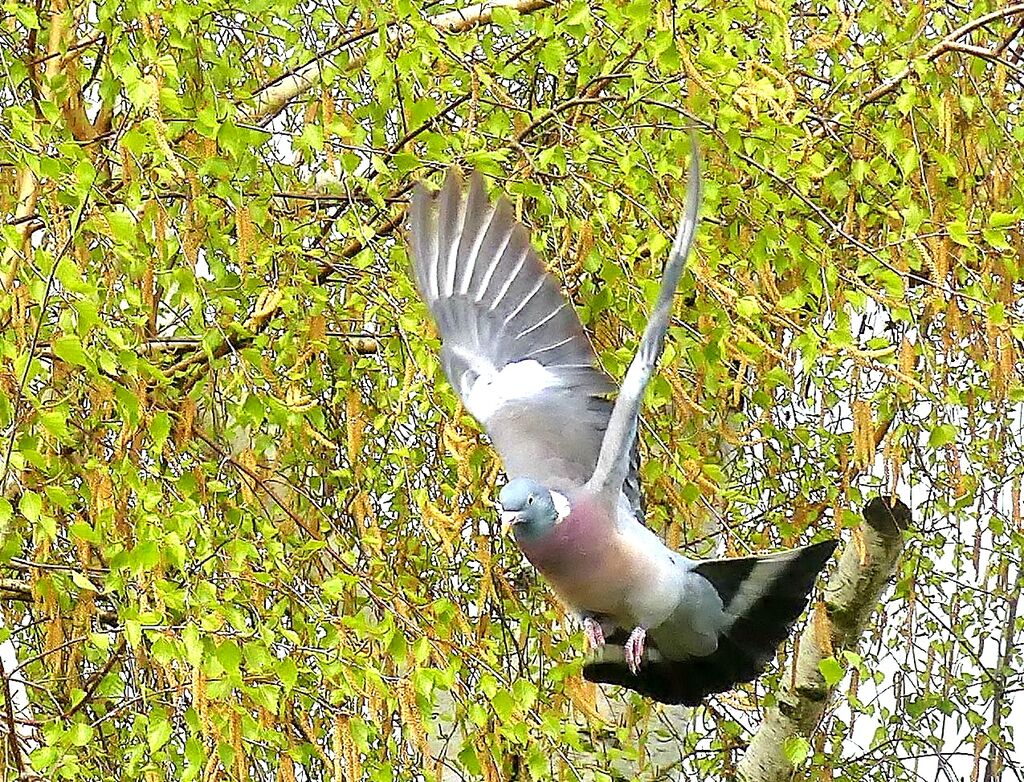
(851, 596)
(274, 97)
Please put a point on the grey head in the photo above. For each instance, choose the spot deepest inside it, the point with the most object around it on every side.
(527, 508)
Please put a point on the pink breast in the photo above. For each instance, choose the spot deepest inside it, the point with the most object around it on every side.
(572, 558)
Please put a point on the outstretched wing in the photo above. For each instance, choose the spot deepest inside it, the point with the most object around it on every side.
(513, 347)
(613, 464)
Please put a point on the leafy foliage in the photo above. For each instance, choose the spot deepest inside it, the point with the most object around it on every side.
(247, 531)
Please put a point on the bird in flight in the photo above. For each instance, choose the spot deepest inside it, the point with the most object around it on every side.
(672, 628)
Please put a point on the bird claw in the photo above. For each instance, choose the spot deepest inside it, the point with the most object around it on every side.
(634, 649)
(595, 634)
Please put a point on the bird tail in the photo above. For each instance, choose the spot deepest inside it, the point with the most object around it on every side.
(762, 598)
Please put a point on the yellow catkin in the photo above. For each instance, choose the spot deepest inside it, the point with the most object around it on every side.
(103, 500)
(160, 129)
(822, 41)
(907, 358)
(1015, 510)
(327, 103)
(355, 425)
(483, 556)
(789, 93)
(980, 740)
(693, 74)
(19, 312)
(286, 769)
(159, 216)
(366, 520)
(488, 760)
(823, 629)
(317, 330)
(352, 761)
(127, 165)
(438, 524)
(976, 553)
(241, 761)
(199, 702)
(859, 545)
(340, 739)
(863, 434)
(247, 459)
(412, 722)
(948, 105)
(772, 7)
(583, 695)
(473, 111)
(1007, 359)
(894, 463)
(584, 245)
(212, 771)
(309, 114)
(243, 232)
(183, 428)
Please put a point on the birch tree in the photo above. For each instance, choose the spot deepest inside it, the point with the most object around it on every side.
(247, 531)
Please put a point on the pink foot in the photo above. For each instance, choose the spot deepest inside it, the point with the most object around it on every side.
(634, 649)
(595, 635)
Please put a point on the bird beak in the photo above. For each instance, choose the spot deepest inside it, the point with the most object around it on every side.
(509, 518)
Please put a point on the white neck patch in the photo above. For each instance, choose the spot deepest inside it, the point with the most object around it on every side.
(561, 506)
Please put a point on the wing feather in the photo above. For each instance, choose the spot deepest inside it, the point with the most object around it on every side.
(513, 348)
(618, 447)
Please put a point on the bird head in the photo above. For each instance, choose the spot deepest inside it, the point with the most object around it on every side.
(527, 508)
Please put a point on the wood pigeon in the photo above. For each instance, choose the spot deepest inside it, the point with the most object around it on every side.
(671, 628)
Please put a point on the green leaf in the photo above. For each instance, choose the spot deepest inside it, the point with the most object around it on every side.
(748, 307)
(30, 505)
(1003, 220)
(159, 733)
(553, 55)
(159, 429)
(832, 670)
(942, 435)
(796, 749)
(503, 705)
(56, 422)
(958, 233)
(68, 348)
(397, 647)
(230, 656)
(82, 581)
(287, 672)
(81, 734)
(122, 227)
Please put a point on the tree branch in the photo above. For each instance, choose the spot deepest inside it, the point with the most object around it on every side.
(274, 97)
(948, 44)
(851, 596)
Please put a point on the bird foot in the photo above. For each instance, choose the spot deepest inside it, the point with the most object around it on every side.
(634, 649)
(595, 634)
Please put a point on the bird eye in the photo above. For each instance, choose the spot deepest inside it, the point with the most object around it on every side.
(529, 500)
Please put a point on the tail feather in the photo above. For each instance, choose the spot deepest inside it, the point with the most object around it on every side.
(762, 596)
